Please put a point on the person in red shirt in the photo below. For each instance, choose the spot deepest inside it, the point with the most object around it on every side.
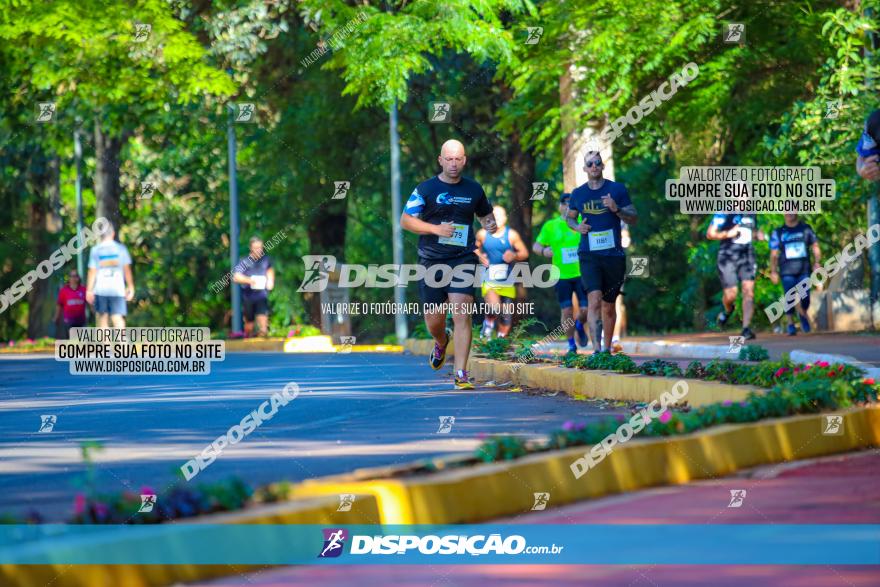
(71, 304)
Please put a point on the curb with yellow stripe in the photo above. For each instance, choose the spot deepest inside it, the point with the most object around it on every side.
(582, 383)
(483, 492)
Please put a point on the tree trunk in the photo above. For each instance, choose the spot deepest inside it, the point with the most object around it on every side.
(326, 237)
(522, 166)
(43, 221)
(107, 189)
(698, 312)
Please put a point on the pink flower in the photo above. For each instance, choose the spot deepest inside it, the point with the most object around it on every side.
(822, 363)
(482, 435)
(665, 416)
(780, 371)
(11, 343)
(869, 381)
(147, 490)
(79, 504)
(727, 402)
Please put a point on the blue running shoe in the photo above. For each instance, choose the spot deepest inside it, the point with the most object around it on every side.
(581, 334)
(792, 330)
(805, 324)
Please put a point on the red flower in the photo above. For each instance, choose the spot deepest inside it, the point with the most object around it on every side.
(832, 373)
(780, 371)
(840, 368)
(822, 364)
(868, 381)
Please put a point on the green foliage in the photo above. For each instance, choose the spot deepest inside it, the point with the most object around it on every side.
(753, 352)
(813, 389)
(660, 367)
(493, 348)
(421, 332)
(501, 448)
(695, 370)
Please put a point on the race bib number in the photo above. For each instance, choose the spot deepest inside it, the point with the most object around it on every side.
(498, 272)
(259, 282)
(459, 237)
(797, 250)
(570, 255)
(744, 236)
(599, 241)
(105, 273)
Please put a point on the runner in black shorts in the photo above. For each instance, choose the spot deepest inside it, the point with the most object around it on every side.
(736, 263)
(601, 205)
(442, 211)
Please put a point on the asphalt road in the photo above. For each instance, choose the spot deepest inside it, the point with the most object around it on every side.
(355, 410)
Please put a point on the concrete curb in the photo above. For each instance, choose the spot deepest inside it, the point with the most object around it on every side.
(582, 383)
(485, 492)
(319, 510)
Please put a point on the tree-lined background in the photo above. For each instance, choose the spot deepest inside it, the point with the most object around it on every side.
(157, 110)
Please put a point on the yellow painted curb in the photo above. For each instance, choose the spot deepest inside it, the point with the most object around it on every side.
(254, 344)
(11, 350)
(604, 384)
(321, 510)
(371, 348)
(484, 492)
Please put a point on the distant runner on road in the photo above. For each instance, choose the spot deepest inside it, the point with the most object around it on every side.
(110, 283)
(557, 241)
(441, 210)
(601, 205)
(736, 264)
(71, 305)
(499, 252)
(257, 277)
(790, 248)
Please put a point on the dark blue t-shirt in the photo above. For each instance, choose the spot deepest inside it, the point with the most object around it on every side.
(793, 244)
(247, 266)
(437, 202)
(604, 236)
(748, 226)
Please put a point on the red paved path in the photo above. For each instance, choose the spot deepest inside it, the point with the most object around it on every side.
(838, 490)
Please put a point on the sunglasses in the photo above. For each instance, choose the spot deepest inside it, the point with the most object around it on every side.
(595, 163)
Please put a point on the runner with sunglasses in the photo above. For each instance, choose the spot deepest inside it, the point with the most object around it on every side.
(601, 204)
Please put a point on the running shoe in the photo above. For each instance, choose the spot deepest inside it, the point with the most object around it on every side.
(462, 380)
(805, 324)
(724, 316)
(572, 348)
(580, 334)
(748, 334)
(486, 332)
(792, 330)
(438, 355)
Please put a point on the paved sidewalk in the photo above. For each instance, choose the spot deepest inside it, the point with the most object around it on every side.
(835, 490)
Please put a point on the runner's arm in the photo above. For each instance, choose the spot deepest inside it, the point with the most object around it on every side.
(774, 261)
(817, 254)
(242, 278)
(868, 168)
(58, 307)
(90, 285)
(571, 220)
(418, 226)
(129, 283)
(628, 214)
(713, 234)
(516, 241)
(270, 278)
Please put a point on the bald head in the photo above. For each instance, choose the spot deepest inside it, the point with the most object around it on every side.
(452, 159)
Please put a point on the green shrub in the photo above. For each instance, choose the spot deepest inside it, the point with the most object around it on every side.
(493, 348)
(753, 352)
(695, 370)
(660, 367)
(501, 448)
